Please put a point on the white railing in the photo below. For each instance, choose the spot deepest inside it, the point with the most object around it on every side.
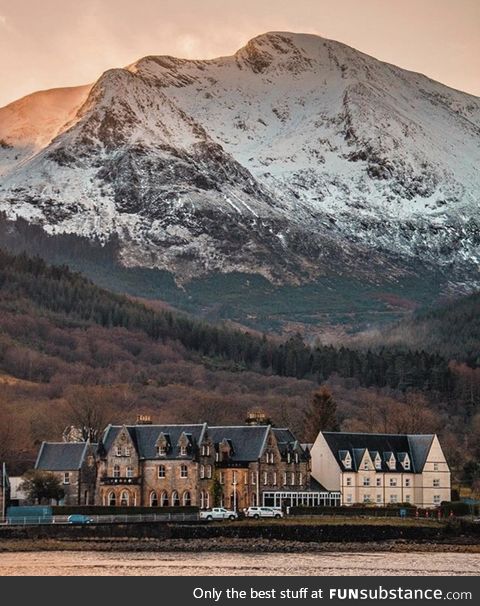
(104, 519)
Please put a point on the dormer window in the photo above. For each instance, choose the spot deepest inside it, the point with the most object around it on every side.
(128, 451)
(289, 457)
(366, 465)
(296, 457)
(378, 462)
(347, 461)
(119, 451)
(161, 451)
(205, 450)
(183, 451)
(392, 464)
(406, 463)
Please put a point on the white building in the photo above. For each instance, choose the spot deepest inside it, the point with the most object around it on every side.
(382, 469)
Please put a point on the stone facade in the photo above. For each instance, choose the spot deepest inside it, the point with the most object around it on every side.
(75, 466)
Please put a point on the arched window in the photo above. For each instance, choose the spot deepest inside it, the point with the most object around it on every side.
(153, 499)
(202, 471)
(116, 471)
(209, 471)
(204, 499)
(175, 499)
(187, 499)
(164, 499)
(112, 499)
(124, 498)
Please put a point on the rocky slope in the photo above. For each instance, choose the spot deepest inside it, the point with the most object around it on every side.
(294, 158)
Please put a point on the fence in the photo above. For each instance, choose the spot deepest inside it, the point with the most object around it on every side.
(103, 519)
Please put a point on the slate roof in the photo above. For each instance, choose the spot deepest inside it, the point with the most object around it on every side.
(145, 437)
(416, 446)
(247, 441)
(62, 456)
(287, 441)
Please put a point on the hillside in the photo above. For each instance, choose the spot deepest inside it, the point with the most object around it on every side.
(296, 160)
(69, 348)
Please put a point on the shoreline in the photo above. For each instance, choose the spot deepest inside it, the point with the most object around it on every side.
(223, 544)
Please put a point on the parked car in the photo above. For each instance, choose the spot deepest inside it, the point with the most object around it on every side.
(264, 512)
(78, 518)
(218, 513)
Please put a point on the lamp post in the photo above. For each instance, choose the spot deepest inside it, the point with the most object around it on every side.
(234, 491)
(4, 491)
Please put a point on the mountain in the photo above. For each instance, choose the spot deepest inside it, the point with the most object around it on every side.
(297, 158)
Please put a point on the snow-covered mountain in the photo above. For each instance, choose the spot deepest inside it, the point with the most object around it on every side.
(296, 157)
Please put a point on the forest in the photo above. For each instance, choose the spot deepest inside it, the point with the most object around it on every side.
(68, 346)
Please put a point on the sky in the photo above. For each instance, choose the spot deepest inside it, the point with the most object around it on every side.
(53, 43)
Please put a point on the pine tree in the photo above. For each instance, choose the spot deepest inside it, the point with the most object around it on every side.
(321, 415)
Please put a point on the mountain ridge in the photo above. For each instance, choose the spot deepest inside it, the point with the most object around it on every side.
(294, 158)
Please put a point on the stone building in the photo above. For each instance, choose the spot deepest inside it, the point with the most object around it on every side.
(182, 465)
(382, 469)
(74, 464)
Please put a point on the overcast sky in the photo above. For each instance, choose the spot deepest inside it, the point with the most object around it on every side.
(51, 43)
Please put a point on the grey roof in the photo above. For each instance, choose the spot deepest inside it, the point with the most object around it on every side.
(145, 437)
(247, 441)
(61, 456)
(416, 446)
(287, 441)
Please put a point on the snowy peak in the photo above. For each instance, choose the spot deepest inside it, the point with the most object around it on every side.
(294, 157)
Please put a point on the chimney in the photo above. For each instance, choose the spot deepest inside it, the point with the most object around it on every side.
(257, 417)
(144, 420)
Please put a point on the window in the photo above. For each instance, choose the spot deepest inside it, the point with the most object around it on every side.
(347, 461)
(408, 482)
(378, 463)
(116, 471)
(392, 463)
(202, 471)
(349, 481)
(289, 457)
(119, 451)
(183, 451)
(365, 465)
(175, 499)
(161, 451)
(393, 498)
(186, 499)
(379, 481)
(436, 467)
(274, 478)
(349, 498)
(66, 478)
(300, 479)
(161, 471)
(253, 478)
(204, 500)
(296, 457)
(265, 478)
(234, 478)
(366, 481)
(112, 499)
(209, 471)
(436, 499)
(153, 499)
(406, 463)
(292, 479)
(205, 450)
(284, 478)
(129, 472)
(124, 498)
(164, 499)
(379, 498)
(366, 498)
(436, 483)
(221, 477)
(393, 481)
(407, 498)
(183, 471)
(128, 452)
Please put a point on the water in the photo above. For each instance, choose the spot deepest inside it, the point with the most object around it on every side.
(90, 563)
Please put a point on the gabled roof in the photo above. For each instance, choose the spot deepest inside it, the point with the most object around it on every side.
(62, 456)
(416, 446)
(145, 438)
(248, 441)
(286, 442)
